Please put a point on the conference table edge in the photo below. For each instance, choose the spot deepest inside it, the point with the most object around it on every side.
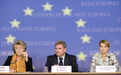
(65, 73)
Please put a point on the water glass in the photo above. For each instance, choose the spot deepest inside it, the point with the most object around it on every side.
(45, 69)
(92, 69)
(119, 69)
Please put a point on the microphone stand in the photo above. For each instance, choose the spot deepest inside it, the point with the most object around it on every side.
(109, 60)
(16, 65)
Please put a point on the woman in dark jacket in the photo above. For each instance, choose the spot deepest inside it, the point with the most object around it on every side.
(19, 62)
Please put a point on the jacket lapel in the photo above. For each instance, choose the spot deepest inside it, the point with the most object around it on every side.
(55, 60)
(66, 60)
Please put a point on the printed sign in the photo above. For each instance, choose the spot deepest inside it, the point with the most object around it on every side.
(61, 69)
(4, 68)
(105, 69)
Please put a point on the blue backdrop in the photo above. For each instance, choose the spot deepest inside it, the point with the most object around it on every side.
(40, 23)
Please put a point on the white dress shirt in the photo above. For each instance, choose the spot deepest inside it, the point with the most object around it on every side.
(62, 60)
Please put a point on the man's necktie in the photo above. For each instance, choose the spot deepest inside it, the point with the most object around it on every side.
(61, 63)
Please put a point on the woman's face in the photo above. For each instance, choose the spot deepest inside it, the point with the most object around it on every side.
(19, 50)
(103, 48)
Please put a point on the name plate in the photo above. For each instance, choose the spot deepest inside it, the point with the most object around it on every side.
(4, 68)
(105, 69)
(61, 68)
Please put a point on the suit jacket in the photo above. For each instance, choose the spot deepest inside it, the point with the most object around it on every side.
(70, 60)
(28, 63)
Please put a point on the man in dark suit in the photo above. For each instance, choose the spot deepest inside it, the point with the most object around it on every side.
(61, 58)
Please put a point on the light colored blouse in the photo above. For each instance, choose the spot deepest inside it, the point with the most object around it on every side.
(97, 60)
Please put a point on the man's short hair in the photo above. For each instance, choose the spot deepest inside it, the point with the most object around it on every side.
(61, 42)
(105, 42)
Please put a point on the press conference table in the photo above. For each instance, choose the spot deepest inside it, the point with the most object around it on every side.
(74, 73)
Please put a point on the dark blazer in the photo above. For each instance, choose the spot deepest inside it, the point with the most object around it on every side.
(70, 60)
(28, 64)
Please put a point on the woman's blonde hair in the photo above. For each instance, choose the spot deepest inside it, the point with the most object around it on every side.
(105, 42)
(19, 42)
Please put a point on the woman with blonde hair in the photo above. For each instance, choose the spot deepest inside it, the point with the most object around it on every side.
(19, 62)
(103, 58)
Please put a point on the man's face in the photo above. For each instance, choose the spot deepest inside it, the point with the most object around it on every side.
(103, 48)
(60, 50)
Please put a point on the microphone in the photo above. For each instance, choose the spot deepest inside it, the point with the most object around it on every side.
(16, 65)
(109, 60)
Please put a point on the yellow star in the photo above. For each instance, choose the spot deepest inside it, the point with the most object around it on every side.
(86, 39)
(10, 39)
(47, 7)
(28, 11)
(81, 56)
(80, 23)
(67, 11)
(15, 23)
(33, 67)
